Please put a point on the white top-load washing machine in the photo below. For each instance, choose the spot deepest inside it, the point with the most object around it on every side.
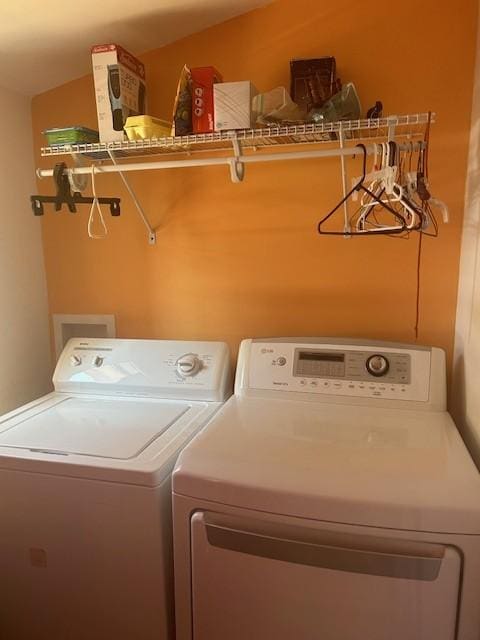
(330, 498)
(85, 488)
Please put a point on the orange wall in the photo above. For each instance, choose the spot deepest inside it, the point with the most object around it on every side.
(245, 260)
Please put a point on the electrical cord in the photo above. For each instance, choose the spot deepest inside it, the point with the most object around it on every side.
(418, 291)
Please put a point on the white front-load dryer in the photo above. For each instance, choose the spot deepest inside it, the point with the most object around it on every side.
(85, 488)
(330, 498)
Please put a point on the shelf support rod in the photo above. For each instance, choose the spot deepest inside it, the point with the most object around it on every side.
(341, 138)
(245, 159)
(152, 238)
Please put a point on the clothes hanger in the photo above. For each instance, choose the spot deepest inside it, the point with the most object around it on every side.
(381, 178)
(383, 182)
(395, 195)
(91, 217)
(65, 196)
(360, 187)
(420, 198)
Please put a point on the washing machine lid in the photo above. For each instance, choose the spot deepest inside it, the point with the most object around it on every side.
(117, 429)
(353, 464)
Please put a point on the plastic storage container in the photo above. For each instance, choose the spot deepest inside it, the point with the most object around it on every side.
(70, 135)
(144, 127)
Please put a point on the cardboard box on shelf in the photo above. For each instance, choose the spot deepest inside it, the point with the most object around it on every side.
(203, 80)
(119, 89)
(313, 81)
(233, 105)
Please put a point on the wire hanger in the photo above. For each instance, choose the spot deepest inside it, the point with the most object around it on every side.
(400, 227)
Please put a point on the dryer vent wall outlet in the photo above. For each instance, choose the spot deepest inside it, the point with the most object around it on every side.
(81, 326)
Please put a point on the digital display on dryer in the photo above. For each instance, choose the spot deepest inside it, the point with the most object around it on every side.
(318, 356)
(319, 364)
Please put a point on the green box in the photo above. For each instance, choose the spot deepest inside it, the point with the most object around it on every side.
(70, 135)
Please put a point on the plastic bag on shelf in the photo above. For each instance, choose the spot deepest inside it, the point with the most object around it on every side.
(182, 110)
(344, 105)
(276, 106)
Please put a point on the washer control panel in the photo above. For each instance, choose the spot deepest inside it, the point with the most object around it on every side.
(189, 364)
(159, 368)
(369, 371)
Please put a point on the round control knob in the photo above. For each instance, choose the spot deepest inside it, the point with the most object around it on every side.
(281, 361)
(377, 365)
(188, 365)
(98, 361)
(75, 361)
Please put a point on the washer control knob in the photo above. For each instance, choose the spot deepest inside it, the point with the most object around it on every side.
(377, 365)
(75, 361)
(98, 361)
(188, 365)
(282, 361)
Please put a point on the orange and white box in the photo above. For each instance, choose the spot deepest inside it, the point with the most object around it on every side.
(203, 80)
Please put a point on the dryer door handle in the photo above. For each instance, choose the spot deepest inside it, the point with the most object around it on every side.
(395, 561)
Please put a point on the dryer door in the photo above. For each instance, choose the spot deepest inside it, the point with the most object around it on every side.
(260, 580)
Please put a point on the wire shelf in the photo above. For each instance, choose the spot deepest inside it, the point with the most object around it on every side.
(404, 126)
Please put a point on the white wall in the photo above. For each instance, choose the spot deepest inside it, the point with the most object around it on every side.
(25, 360)
(465, 396)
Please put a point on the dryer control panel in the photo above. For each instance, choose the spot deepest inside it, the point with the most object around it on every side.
(329, 367)
(353, 365)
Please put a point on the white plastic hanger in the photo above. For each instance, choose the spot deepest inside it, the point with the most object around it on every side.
(395, 193)
(383, 181)
(91, 217)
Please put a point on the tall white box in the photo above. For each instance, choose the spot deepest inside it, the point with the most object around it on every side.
(119, 89)
(233, 105)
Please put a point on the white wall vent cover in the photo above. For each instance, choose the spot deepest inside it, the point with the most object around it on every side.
(81, 326)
